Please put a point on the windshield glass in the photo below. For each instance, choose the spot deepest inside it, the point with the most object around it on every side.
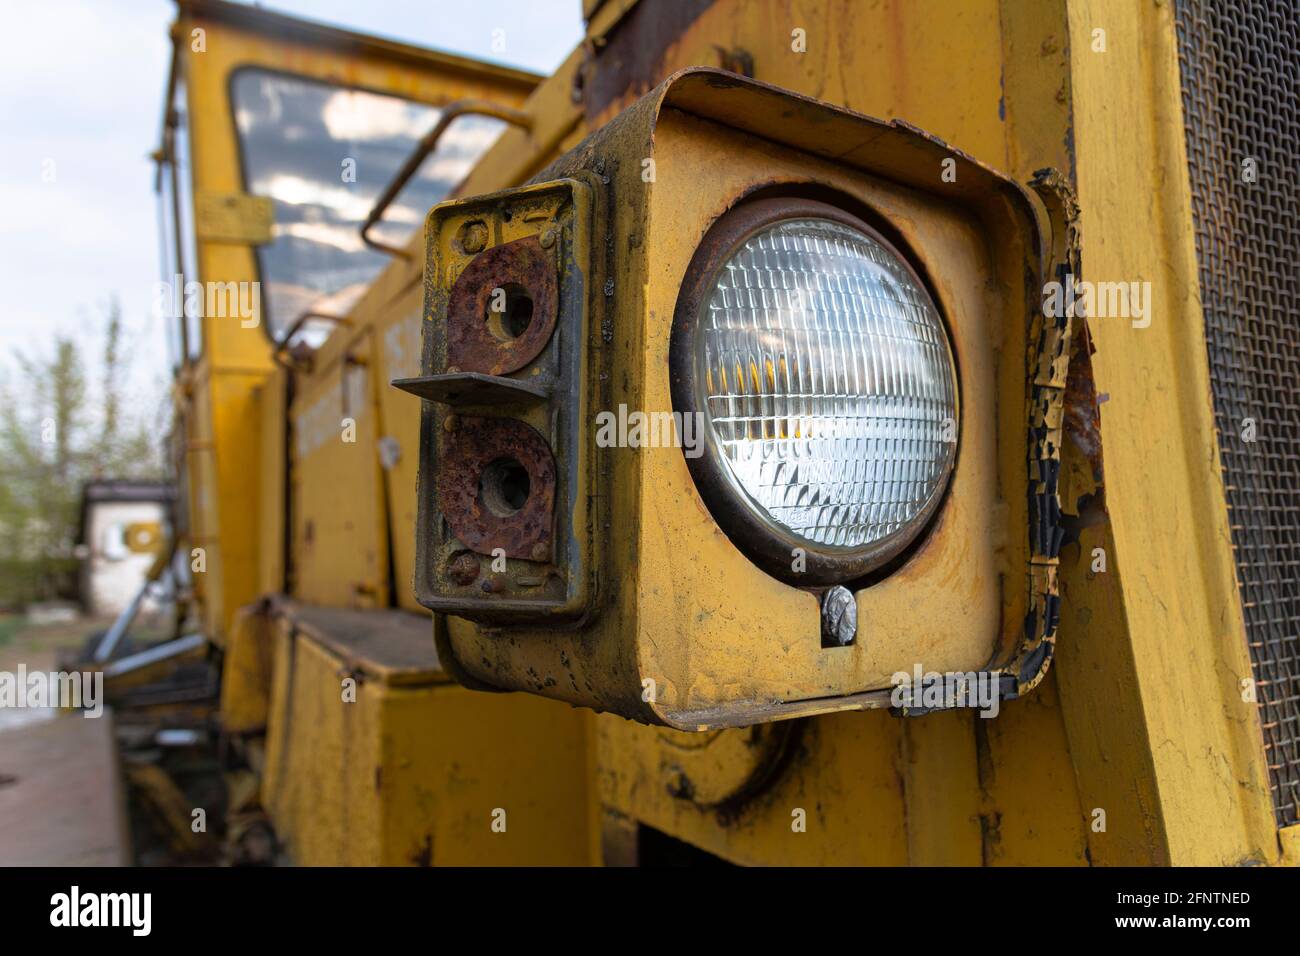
(323, 154)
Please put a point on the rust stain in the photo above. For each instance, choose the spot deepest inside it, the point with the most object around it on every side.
(1082, 412)
(479, 457)
(628, 61)
(502, 309)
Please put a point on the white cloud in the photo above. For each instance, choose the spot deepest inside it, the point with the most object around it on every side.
(353, 115)
(81, 82)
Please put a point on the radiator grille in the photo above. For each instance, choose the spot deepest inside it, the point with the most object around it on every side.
(1241, 102)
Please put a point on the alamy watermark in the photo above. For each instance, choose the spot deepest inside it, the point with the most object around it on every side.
(637, 429)
(75, 908)
(1098, 300)
(214, 300)
(78, 690)
(933, 690)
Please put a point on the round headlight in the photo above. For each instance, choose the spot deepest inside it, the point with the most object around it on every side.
(822, 372)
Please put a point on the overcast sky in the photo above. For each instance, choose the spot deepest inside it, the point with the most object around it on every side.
(80, 100)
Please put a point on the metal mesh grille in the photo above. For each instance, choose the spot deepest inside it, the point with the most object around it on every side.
(1241, 108)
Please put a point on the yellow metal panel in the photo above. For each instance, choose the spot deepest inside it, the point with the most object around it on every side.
(339, 536)
(943, 607)
(1180, 612)
(231, 494)
(398, 330)
(417, 774)
(1289, 838)
(276, 752)
(1032, 816)
(934, 63)
(846, 780)
(948, 608)
(236, 359)
(203, 544)
(246, 672)
(273, 419)
(236, 412)
(946, 814)
(321, 798)
(232, 217)
(522, 755)
(1102, 706)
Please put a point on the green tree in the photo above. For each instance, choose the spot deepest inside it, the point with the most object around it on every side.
(54, 437)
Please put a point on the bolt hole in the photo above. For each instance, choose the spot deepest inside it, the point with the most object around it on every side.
(504, 486)
(516, 314)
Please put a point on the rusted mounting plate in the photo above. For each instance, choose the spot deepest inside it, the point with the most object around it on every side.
(484, 495)
(471, 388)
(501, 310)
(521, 369)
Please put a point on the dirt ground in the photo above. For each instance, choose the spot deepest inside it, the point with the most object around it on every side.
(22, 641)
(192, 774)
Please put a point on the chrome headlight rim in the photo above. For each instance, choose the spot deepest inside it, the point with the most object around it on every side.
(763, 540)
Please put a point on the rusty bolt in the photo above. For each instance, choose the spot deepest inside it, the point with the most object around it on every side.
(473, 237)
(463, 569)
(839, 617)
(539, 552)
(491, 585)
(450, 422)
(548, 237)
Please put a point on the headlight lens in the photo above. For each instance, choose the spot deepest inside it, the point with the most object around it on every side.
(827, 383)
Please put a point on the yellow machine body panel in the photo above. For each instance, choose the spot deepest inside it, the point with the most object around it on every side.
(1139, 746)
(364, 781)
(335, 422)
(1043, 782)
(214, 41)
(398, 356)
(373, 757)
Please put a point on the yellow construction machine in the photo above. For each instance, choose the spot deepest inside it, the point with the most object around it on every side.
(794, 432)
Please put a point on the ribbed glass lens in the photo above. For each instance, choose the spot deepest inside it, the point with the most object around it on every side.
(828, 383)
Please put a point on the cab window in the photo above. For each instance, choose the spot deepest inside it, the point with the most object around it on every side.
(323, 154)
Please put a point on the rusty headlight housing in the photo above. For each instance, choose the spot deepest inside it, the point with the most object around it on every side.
(819, 370)
(665, 588)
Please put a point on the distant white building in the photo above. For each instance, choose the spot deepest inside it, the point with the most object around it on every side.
(122, 526)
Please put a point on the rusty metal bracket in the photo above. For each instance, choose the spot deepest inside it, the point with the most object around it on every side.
(501, 312)
(496, 487)
(1048, 374)
(505, 532)
(283, 354)
(471, 388)
(423, 149)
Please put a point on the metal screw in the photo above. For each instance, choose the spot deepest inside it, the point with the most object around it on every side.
(539, 552)
(463, 569)
(450, 422)
(548, 238)
(839, 617)
(473, 237)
